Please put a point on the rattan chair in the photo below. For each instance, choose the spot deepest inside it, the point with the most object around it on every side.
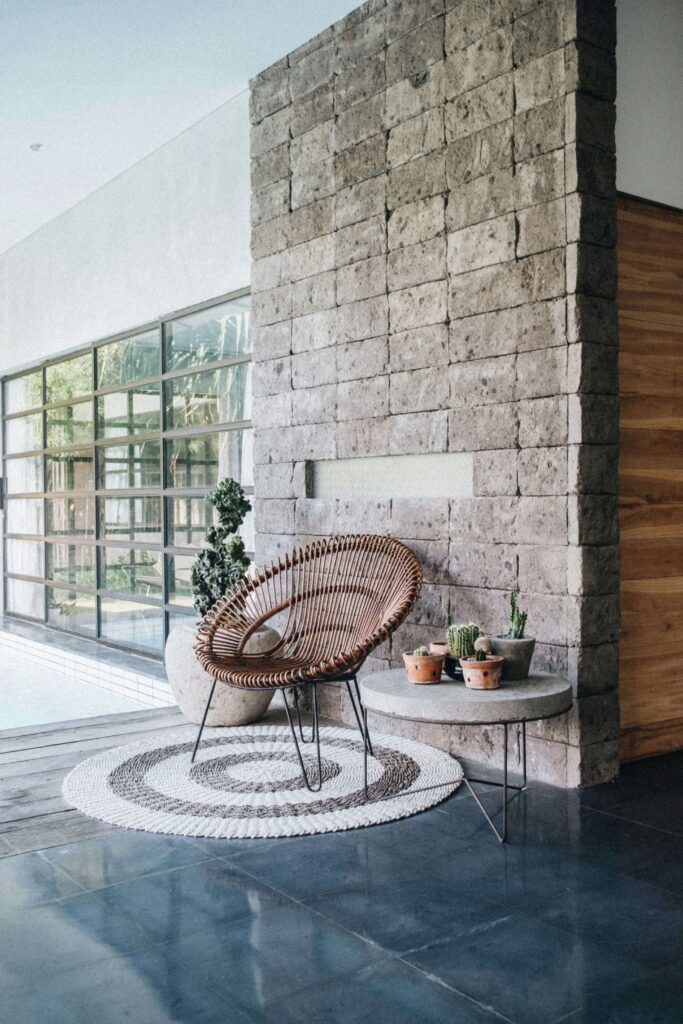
(333, 602)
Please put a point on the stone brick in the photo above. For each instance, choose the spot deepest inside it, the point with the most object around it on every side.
(313, 146)
(593, 619)
(541, 227)
(592, 220)
(593, 570)
(313, 294)
(270, 237)
(482, 521)
(317, 330)
(312, 46)
(360, 202)
(591, 70)
(418, 179)
(362, 161)
(269, 91)
(479, 154)
(539, 81)
(312, 220)
(418, 433)
(272, 341)
(495, 472)
(416, 137)
(418, 390)
(593, 320)
(368, 318)
(416, 50)
(594, 469)
(360, 81)
(543, 422)
(493, 566)
(593, 519)
(404, 15)
(274, 515)
(313, 184)
(477, 109)
(274, 445)
(590, 121)
(539, 130)
(591, 270)
(309, 369)
(270, 271)
(593, 369)
(541, 325)
(539, 179)
(358, 399)
(594, 669)
(480, 199)
(591, 170)
(366, 358)
(539, 32)
(312, 257)
(422, 346)
(367, 36)
(314, 405)
(280, 480)
(417, 264)
(419, 518)
(472, 19)
(320, 443)
(542, 520)
(312, 109)
(272, 131)
(272, 305)
(271, 201)
(416, 307)
(416, 222)
(362, 280)
(543, 570)
(524, 328)
(364, 515)
(360, 122)
(270, 166)
(478, 63)
(361, 241)
(431, 608)
(541, 373)
(547, 616)
(593, 21)
(276, 412)
(362, 438)
(317, 516)
(313, 69)
(543, 471)
(532, 279)
(483, 428)
(482, 382)
(481, 245)
(593, 419)
(433, 557)
(414, 95)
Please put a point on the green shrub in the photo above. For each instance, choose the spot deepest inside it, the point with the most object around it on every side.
(223, 561)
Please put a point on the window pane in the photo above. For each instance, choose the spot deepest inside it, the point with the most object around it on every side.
(71, 517)
(69, 424)
(131, 571)
(24, 392)
(130, 465)
(137, 625)
(24, 434)
(178, 569)
(204, 460)
(132, 519)
(208, 336)
(217, 396)
(69, 379)
(71, 563)
(24, 475)
(178, 618)
(69, 610)
(24, 515)
(130, 359)
(25, 557)
(136, 411)
(187, 521)
(24, 598)
(70, 471)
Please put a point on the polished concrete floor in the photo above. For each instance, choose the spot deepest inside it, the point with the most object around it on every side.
(426, 920)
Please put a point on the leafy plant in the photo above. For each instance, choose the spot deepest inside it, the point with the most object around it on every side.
(517, 619)
(223, 561)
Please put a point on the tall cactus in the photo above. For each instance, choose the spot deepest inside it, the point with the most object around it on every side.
(517, 619)
(461, 639)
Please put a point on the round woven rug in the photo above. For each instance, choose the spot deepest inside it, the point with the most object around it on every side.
(246, 783)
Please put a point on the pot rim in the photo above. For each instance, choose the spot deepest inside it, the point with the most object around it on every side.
(422, 657)
(514, 639)
(491, 659)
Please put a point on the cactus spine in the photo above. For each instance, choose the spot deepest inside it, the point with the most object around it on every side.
(517, 619)
(461, 639)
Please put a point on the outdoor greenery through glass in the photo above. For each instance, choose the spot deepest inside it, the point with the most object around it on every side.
(108, 457)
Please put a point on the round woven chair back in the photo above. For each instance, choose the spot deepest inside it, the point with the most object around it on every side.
(332, 602)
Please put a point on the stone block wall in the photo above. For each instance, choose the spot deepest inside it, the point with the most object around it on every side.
(433, 221)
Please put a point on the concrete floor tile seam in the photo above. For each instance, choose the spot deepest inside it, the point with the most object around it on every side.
(485, 1007)
(127, 881)
(611, 813)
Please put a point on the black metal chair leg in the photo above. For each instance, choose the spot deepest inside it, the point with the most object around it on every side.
(201, 727)
(298, 717)
(315, 733)
(363, 730)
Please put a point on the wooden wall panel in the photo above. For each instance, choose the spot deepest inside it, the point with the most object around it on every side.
(650, 252)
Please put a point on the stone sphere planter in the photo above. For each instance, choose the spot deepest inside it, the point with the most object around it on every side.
(517, 654)
(190, 684)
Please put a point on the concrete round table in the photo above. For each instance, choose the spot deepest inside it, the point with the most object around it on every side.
(450, 702)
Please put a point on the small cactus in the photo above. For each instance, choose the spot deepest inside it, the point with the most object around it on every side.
(480, 654)
(517, 619)
(483, 643)
(461, 639)
(420, 652)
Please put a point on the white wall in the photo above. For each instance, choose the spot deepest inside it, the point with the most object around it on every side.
(650, 99)
(170, 231)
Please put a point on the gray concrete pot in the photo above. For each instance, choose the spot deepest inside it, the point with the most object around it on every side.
(517, 654)
(190, 684)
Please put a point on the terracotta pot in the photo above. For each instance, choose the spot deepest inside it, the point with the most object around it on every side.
(423, 668)
(482, 675)
(450, 665)
(517, 655)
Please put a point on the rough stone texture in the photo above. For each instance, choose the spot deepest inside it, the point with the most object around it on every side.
(433, 240)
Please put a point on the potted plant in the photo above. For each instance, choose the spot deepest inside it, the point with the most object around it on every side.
(218, 566)
(514, 646)
(483, 670)
(423, 667)
(455, 641)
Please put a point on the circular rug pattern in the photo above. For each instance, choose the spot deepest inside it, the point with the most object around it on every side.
(246, 783)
